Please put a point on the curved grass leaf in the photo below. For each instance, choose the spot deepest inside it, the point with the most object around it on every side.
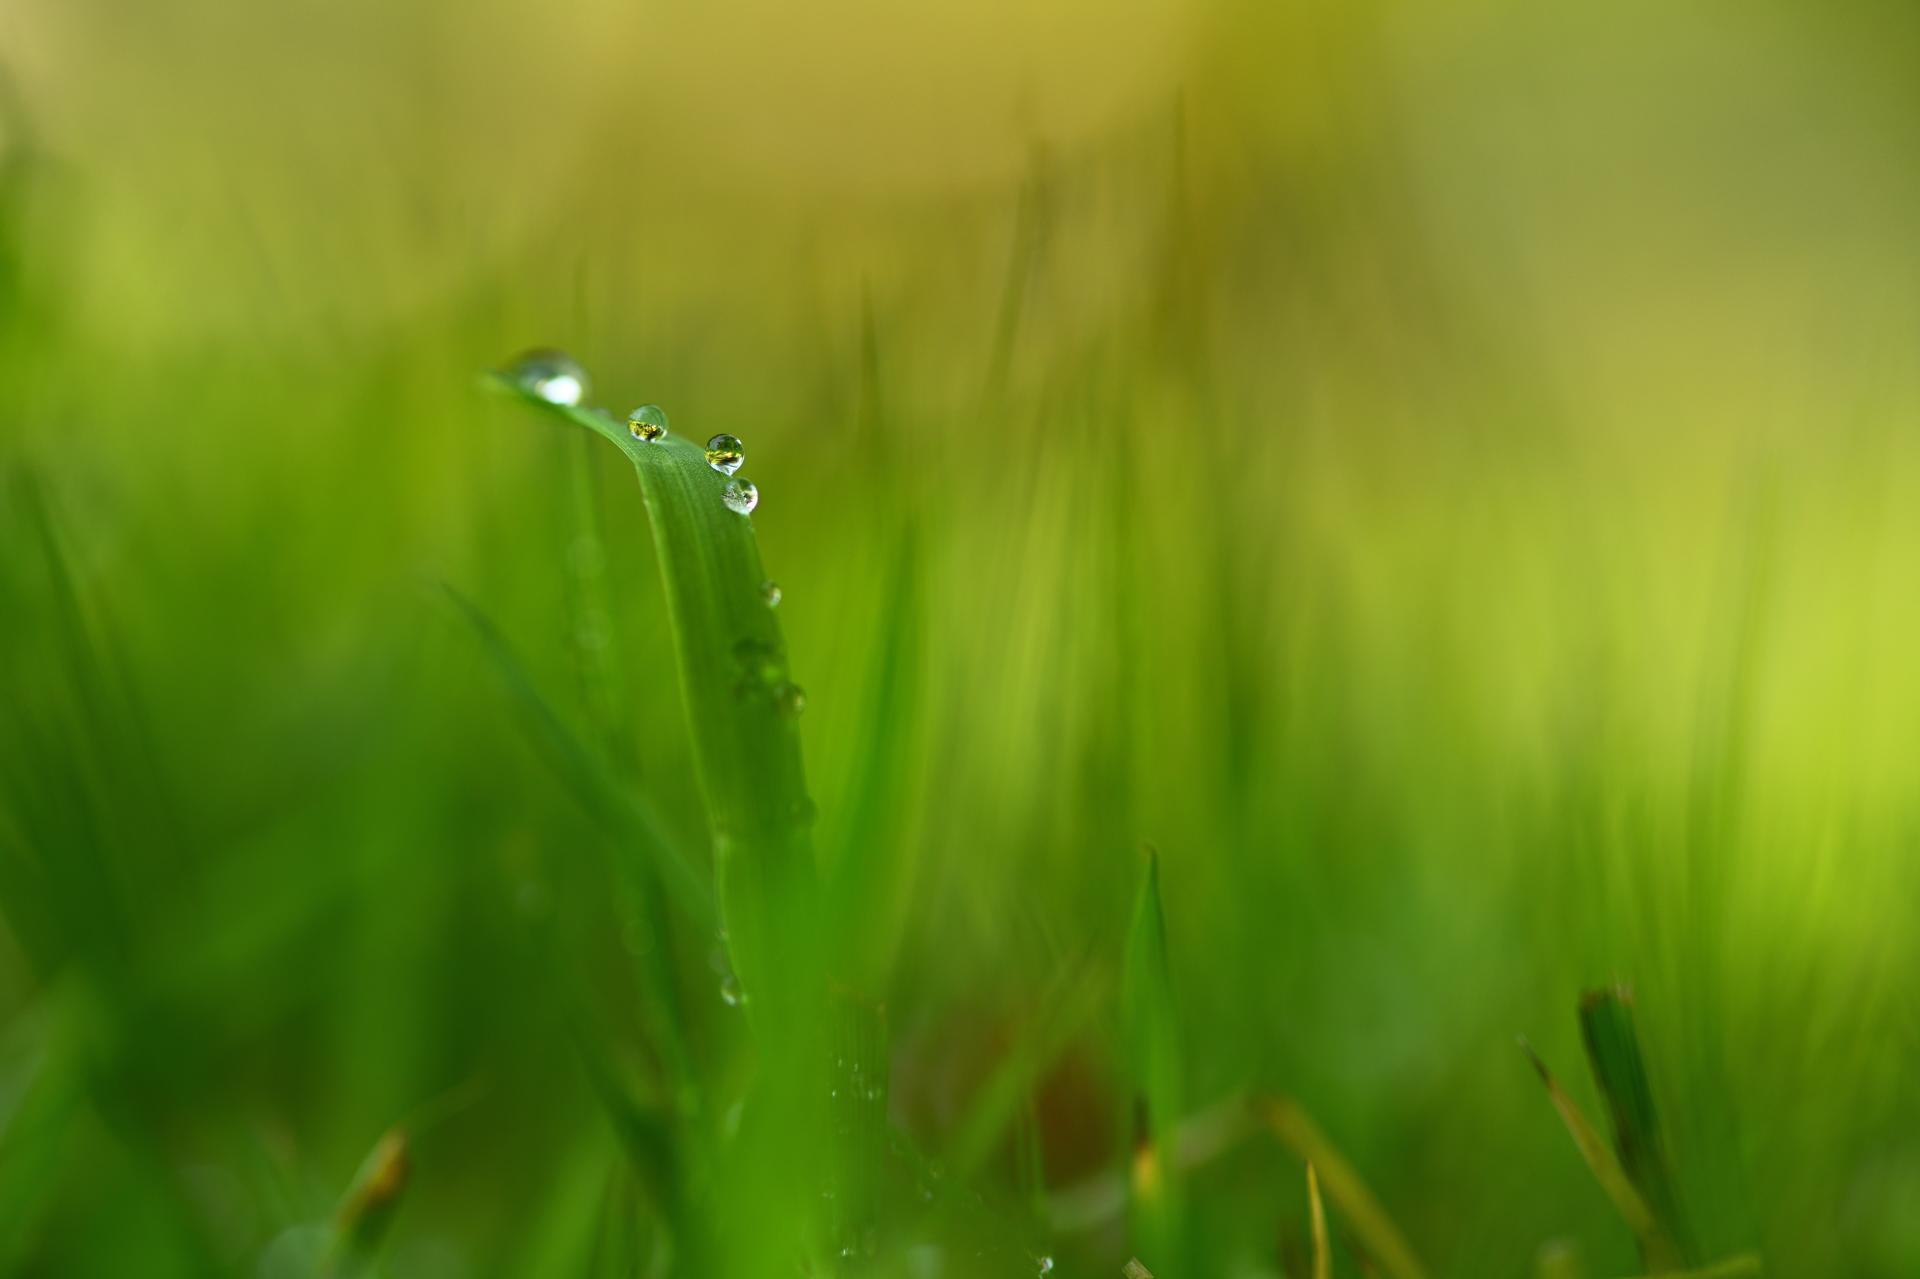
(732, 664)
(1317, 1217)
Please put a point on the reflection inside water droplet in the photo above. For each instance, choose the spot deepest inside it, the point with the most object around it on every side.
(740, 495)
(725, 453)
(648, 423)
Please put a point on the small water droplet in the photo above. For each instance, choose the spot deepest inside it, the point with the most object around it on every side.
(1045, 1264)
(789, 699)
(770, 594)
(725, 453)
(740, 496)
(730, 993)
(553, 376)
(648, 422)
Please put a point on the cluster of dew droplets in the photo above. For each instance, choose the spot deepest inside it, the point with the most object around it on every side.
(763, 671)
(726, 454)
(558, 378)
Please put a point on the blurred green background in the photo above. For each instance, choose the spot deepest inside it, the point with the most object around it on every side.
(1443, 475)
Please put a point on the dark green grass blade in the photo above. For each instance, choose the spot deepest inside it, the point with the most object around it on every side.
(1153, 1064)
(732, 662)
(1627, 1201)
(1613, 1049)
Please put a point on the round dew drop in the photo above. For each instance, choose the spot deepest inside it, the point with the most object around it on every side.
(553, 376)
(730, 993)
(725, 453)
(648, 422)
(740, 496)
(789, 699)
(770, 594)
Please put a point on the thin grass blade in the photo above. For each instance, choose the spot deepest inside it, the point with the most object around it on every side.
(1371, 1224)
(1660, 1250)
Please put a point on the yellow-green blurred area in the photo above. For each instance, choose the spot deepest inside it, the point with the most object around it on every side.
(1444, 475)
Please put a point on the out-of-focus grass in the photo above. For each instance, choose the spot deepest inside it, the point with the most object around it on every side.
(1438, 475)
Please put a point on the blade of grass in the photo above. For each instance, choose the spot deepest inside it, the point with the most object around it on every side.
(1613, 1050)
(732, 664)
(1317, 1216)
(367, 1210)
(1659, 1249)
(1153, 1063)
(1370, 1222)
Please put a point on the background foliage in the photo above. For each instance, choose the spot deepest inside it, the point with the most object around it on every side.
(1441, 475)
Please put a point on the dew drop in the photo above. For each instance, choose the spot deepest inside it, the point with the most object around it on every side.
(789, 699)
(1045, 1264)
(553, 376)
(770, 594)
(725, 453)
(730, 993)
(648, 423)
(740, 496)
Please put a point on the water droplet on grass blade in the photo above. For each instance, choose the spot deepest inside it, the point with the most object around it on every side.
(725, 453)
(648, 423)
(1045, 1264)
(730, 993)
(770, 594)
(789, 699)
(740, 496)
(553, 376)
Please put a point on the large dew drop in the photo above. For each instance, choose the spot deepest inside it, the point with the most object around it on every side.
(725, 453)
(553, 376)
(770, 594)
(648, 422)
(740, 495)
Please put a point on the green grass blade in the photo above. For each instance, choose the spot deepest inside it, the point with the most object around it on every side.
(1370, 1223)
(625, 816)
(1153, 1062)
(367, 1211)
(1654, 1242)
(733, 673)
(1613, 1049)
(1317, 1218)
